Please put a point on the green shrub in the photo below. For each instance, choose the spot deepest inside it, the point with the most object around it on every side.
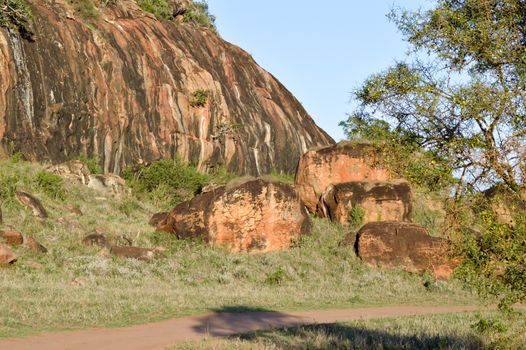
(356, 217)
(168, 182)
(51, 184)
(281, 176)
(127, 207)
(199, 98)
(15, 15)
(159, 8)
(276, 277)
(199, 14)
(8, 187)
(17, 157)
(86, 8)
(92, 163)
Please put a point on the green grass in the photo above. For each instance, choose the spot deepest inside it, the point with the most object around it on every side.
(447, 331)
(37, 294)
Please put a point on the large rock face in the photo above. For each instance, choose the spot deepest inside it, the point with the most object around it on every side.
(379, 201)
(344, 162)
(123, 87)
(257, 216)
(393, 244)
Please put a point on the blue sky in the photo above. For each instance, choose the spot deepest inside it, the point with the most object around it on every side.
(320, 50)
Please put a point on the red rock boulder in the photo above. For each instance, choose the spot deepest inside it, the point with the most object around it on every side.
(13, 238)
(6, 255)
(256, 216)
(378, 201)
(343, 162)
(392, 244)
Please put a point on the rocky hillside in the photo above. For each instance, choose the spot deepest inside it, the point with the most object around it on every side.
(131, 89)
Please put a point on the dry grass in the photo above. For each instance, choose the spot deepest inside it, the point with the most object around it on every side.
(38, 293)
(448, 331)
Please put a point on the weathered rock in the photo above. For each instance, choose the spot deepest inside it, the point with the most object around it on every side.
(95, 239)
(77, 172)
(379, 201)
(122, 87)
(32, 203)
(157, 219)
(109, 183)
(144, 254)
(6, 255)
(344, 162)
(73, 170)
(392, 244)
(257, 216)
(13, 238)
(34, 246)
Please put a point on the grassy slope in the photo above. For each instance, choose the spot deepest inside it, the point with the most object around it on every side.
(194, 278)
(449, 331)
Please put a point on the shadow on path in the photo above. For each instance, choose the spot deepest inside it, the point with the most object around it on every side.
(241, 319)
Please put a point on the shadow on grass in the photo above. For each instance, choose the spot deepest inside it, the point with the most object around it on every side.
(292, 332)
(341, 336)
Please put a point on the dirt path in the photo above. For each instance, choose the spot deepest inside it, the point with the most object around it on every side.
(163, 334)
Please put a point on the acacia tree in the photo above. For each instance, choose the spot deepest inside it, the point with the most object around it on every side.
(461, 97)
(467, 99)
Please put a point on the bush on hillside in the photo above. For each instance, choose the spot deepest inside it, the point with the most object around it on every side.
(199, 14)
(50, 184)
(16, 15)
(167, 182)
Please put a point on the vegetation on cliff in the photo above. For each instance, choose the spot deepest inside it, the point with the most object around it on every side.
(15, 15)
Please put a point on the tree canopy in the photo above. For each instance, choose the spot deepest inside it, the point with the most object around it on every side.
(461, 92)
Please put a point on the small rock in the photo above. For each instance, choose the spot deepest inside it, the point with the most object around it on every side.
(34, 246)
(157, 219)
(69, 223)
(77, 282)
(6, 255)
(32, 203)
(74, 210)
(13, 238)
(104, 253)
(95, 239)
(143, 254)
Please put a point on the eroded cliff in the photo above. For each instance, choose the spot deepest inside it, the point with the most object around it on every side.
(129, 88)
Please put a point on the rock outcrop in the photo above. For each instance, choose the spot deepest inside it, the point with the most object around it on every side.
(379, 201)
(393, 244)
(343, 162)
(124, 87)
(77, 172)
(256, 216)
